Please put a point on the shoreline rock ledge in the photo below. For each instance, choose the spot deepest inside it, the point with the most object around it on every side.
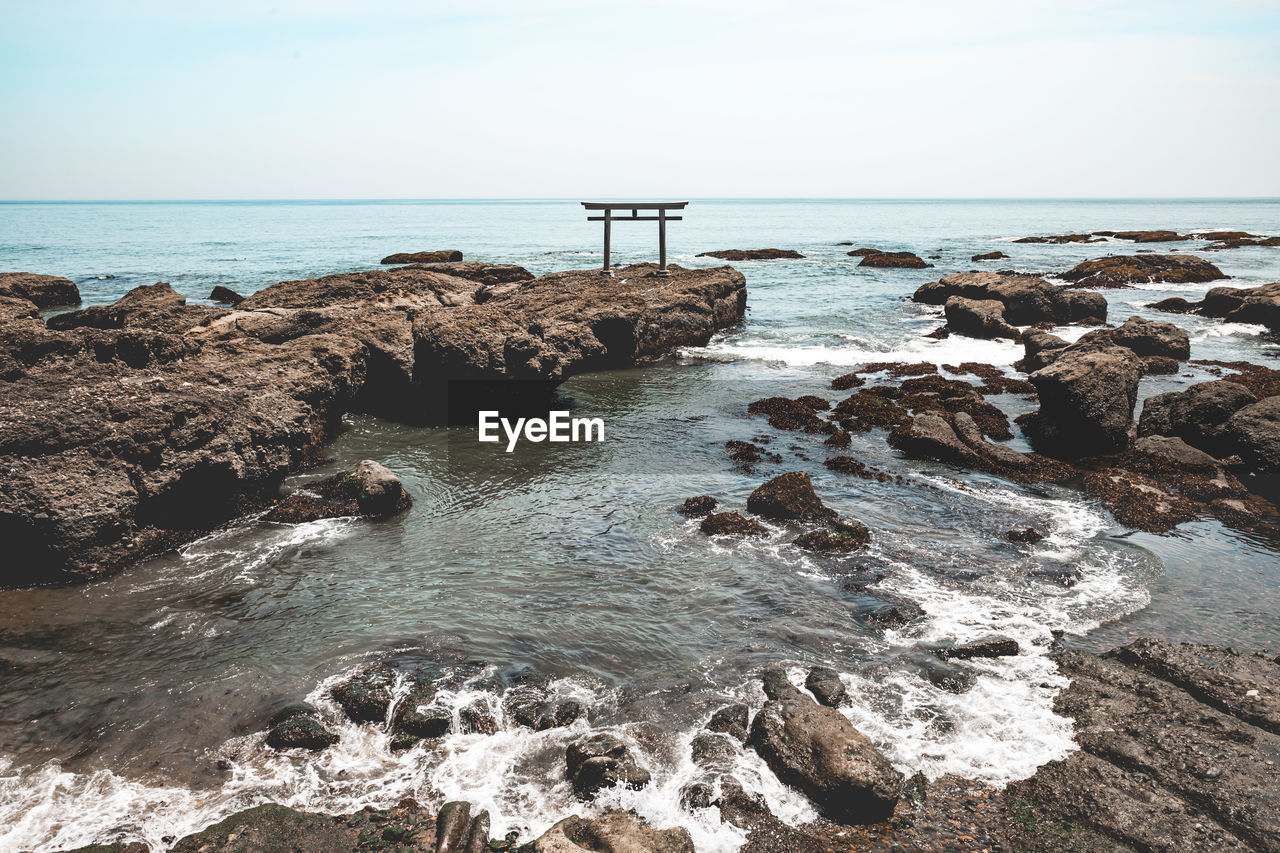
(132, 428)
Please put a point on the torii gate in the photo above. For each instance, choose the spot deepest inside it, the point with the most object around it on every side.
(635, 207)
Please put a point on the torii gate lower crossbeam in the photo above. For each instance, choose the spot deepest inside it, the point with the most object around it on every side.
(608, 207)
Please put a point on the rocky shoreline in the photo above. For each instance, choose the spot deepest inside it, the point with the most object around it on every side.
(1179, 747)
(134, 427)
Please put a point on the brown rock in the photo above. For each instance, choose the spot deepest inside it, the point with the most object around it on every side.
(752, 254)
(423, 257)
(1127, 270)
(894, 260)
(789, 497)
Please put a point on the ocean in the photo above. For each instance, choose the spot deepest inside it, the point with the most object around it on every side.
(133, 707)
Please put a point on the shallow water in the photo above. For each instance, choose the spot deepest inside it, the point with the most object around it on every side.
(135, 706)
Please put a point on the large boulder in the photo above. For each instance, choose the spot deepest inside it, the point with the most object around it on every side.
(1128, 270)
(1147, 338)
(978, 318)
(615, 831)
(1196, 413)
(1040, 349)
(817, 750)
(1260, 305)
(1087, 396)
(1254, 433)
(46, 291)
(1026, 299)
(789, 497)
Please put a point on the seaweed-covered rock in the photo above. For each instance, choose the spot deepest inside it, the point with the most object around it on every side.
(731, 523)
(366, 697)
(789, 497)
(370, 490)
(1128, 270)
(698, 507)
(842, 536)
(300, 732)
(893, 260)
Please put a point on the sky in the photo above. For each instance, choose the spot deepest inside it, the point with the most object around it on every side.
(681, 99)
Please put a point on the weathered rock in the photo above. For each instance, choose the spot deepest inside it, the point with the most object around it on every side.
(825, 685)
(789, 497)
(1177, 746)
(45, 291)
(1087, 396)
(1253, 432)
(1041, 349)
(1258, 305)
(418, 717)
(156, 307)
(752, 254)
(615, 831)
(731, 720)
(1150, 236)
(1024, 536)
(1026, 299)
(1128, 270)
(894, 260)
(698, 507)
(989, 256)
(841, 537)
(423, 257)
(273, 828)
(1195, 414)
(602, 761)
(1173, 305)
(978, 318)
(988, 647)
(533, 707)
(370, 490)
(731, 524)
(1147, 338)
(933, 437)
(1159, 365)
(818, 751)
(714, 751)
(225, 295)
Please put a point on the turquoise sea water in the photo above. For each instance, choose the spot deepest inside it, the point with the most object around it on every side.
(134, 706)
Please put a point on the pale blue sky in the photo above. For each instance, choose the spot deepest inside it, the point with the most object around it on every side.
(567, 98)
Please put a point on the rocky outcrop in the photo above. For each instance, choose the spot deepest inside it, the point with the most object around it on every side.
(1259, 305)
(1238, 242)
(602, 761)
(1149, 236)
(43, 291)
(1061, 238)
(789, 497)
(752, 254)
(892, 260)
(433, 257)
(297, 727)
(841, 537)
(989, 256)
(978, 318)
(1253, 432)
(817, 750)
(697, 507)
(1196, 414)
(1128, 270)
(225, 295)
(1026, 299)
(1178, 747)
(1087, 396)
(134, 427)
(1040, 349)
(731, 523)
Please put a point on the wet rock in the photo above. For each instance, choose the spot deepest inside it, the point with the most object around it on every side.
(1173, 305)
(978, 318)
(1087, 396)
(1139, 501)
(731, 524)
(423, 257)
(841, 537)
(1159, 365)
(1177, 746)
(366, 697)
(893, 260)
(988, 647)
(1258, 305)
(460, 831)
(418, 717)
(602, 761)
(989, 256)
(44, 291)
(1061, 238)
(698, 507)
(370, 490)
(825, 685)
(1147, 338)
(752, 254)
(225, 295)
(477, 718)
(1196, 414)
(817, 750)
(889, 614)
(534, 707)
(788, 414)
(933, 437)
(1128, 270)
(789, 497)
(731, 720)
(615, 831)
(1024, 536)
(300, 733)
(847, 381)
(1026, 299)
(1253, 432)
(714, 751)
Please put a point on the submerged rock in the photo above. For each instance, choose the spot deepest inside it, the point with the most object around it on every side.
(731, 524)
(423, 257)
(842, 536)
(698, 507)
(1128, 270)
(789, 497)
(988, 647)
(752, 254)
(602, 761)
(989, 256)
(818, 751)
(1024, 536)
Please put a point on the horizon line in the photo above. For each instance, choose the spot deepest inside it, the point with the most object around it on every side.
(576, 199)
